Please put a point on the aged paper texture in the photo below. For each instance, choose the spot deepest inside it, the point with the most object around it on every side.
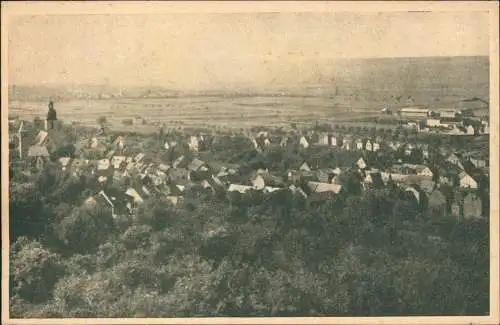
(250, 162)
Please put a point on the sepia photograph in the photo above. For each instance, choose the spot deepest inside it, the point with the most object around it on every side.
(193, 160)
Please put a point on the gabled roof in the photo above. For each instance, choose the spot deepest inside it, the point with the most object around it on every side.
(318, 187)
(41, 138)
(305, 167)
(222, 173)
(268, 178)
(303, 140)
(117, 161)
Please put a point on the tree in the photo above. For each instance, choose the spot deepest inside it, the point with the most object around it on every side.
(102, 120)
(26, 211)
(84, 229)
(34, 270)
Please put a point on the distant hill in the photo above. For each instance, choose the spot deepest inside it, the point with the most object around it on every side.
(396, 79)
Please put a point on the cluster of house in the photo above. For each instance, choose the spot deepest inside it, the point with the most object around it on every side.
(444, 121)
(136, 180)
(126, 179)
(339, 141)
(453, 192)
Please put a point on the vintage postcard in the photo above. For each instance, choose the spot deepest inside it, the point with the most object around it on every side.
(250, 162)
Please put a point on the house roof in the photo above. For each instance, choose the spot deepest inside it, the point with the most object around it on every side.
(297, 190)
(324, 175)
(195, 164)
(464, 174)
(318, 187)
(164, 167)
(116, 161)
(303, 139)
(134, 194)
(414, 110)
(174, 199)
(177, 162)
(238, 188)
(64, 161)
(105, 197)
(78, 163)
(38, 151)
(178, 175)
(269, 178)
(305, 166)
(396, 177)
(103, 164)
(118, 139)
(417, 168)
(41, 137)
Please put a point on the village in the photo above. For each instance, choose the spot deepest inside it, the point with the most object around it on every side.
(442, 180)
(448, 121)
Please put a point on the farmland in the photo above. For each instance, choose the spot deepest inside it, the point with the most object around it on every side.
(346, 90)
(207, 112)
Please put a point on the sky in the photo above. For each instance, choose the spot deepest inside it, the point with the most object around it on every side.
(188, 51)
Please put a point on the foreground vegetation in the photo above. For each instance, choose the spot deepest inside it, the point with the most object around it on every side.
(364, 254)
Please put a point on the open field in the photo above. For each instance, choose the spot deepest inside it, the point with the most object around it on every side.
(210, 112)
(354, 89)
(198, 111)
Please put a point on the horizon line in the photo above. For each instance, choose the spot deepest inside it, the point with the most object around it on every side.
(184, 89)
